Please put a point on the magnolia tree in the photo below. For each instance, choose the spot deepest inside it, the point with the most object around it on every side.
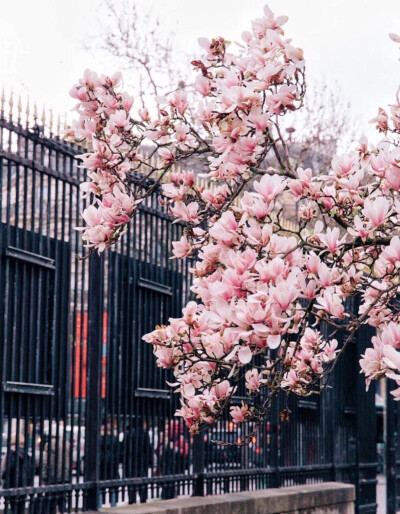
(264, 292)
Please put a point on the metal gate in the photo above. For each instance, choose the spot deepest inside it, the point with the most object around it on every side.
(86, 419)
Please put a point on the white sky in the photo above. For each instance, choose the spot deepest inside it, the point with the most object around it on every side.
(345, 42)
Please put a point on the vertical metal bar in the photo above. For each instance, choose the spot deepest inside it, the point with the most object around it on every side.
(390, 449)
(64, 345)
(198, 465)
(127, 371)
(366, 417)
(134, 344)
(93, 411)
(275, 440)
(81, 304)
(3, 347)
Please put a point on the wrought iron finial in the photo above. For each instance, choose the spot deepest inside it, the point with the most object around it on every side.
(58, 129)
(43, 118)
(19, 109)
(51, 121)
(27, 112)
(2, 102)
(11, 103)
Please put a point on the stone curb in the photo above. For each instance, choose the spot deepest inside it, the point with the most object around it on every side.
(324, 497)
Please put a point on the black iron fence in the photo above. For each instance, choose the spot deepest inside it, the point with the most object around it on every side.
(86, 418)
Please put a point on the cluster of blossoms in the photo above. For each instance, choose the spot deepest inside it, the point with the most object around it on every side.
(270, 299)
(235, 102)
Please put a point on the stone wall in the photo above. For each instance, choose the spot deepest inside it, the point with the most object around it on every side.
(323, 498)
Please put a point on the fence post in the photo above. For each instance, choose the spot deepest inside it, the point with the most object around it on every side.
(275, 441)
(391, 431)
(198, 465)
(329, 419)
(366, 466)
(93, 399)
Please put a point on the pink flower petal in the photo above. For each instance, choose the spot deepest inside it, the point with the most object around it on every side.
(273, 342)
(245, 355)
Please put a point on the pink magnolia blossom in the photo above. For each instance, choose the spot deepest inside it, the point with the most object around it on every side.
(391, 357)
(284, 294)
(240, 414)
(331, 239)
(359, 229)
(376, 210)
(179, 100)
(184, 212)
(223, 389)
(270, 186)
(181, 248)
(167, 156)
(253, 380)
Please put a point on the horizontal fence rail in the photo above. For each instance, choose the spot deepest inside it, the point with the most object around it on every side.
(86, 418)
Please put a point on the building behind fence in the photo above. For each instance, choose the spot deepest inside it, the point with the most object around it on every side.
(86, 418)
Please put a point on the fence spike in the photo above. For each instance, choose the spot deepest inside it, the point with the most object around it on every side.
(43, 118)
(11, 103)
(58, 129)
(19, 109)
(2, 100)
(27, 112)
(51, 121)
(35, 113)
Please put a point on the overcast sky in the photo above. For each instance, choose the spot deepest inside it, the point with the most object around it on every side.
(345, 42)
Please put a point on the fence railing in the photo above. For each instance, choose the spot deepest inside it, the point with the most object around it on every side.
(86, 419)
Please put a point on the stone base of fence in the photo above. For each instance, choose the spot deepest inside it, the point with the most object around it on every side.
(322, 498)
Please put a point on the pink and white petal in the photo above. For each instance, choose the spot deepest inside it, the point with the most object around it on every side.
(245, 354)
(273, 342)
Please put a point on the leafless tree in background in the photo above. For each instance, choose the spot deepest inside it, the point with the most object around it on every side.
(325, 126)
(134, 36)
